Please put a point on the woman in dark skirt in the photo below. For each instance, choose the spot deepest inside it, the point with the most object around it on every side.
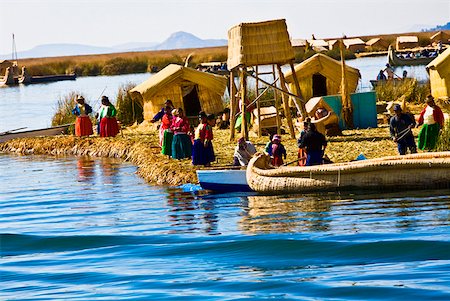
(198, 148)
(209, 149)
(181, 143)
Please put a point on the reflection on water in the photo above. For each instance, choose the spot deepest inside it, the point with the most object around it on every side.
(346, 212)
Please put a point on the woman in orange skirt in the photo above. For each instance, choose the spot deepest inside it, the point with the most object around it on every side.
(108, 122)
(83, 124)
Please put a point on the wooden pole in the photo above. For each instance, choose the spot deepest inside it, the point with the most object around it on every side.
(287, 111)
(243, 80)
(347, 110)
(258, 103)
(232, 104)
(277, 104)
(299, 93)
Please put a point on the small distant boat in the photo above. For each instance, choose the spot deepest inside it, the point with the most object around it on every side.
(395, 60)
(415, 171)
(25, 78)
(51, 131)
(223, 180)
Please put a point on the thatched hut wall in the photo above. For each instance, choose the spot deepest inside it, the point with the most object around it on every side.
(440, 36)
(326, 67)
(439, 71)
(169, 84)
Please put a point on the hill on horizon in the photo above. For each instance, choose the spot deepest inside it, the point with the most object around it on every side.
(177, 40)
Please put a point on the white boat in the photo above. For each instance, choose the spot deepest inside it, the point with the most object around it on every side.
(52, 131)
(223, 180)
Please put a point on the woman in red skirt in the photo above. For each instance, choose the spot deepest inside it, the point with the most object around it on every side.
(108, 122)
(83, 124)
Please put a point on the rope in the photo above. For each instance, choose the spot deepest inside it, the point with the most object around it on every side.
(403, 133)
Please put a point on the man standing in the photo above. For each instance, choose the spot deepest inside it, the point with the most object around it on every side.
(314, 143)
(400, 127)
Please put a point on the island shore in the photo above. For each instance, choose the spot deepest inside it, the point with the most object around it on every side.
(140, 147)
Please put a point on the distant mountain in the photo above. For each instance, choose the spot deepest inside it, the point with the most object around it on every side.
(177, 40)
(181, 39)
(441, 27)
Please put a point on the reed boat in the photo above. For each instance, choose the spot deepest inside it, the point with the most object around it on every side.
(415, 171)
(223, 180)
(29, 79)
(395, 60)
(51, 131)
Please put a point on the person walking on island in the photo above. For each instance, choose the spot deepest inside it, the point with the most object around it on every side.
(167, 104)
(108, 122)
(202, 138)
(400, 128)
(165, 133)
(181, 143)
(83, 124)
(314, 143)
(278, 151)
(432, 119)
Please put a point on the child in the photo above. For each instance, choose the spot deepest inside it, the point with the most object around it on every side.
(165, 133)
(203, 133)
(278, 151)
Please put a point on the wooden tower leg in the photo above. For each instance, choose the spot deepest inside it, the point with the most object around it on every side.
(287, 111)
(233, 104)
(258, 104)
(277, 103)
(243, 80)
(299, 93)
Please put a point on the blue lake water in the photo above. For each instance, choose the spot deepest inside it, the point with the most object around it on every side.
(91, 229)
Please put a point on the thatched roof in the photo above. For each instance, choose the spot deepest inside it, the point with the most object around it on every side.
(441, 64)
(440, 36)
(354, 41)
(262, 43)
(176, 73)
(327, 66)
(299, 42)
(407, 39)
(318, 43)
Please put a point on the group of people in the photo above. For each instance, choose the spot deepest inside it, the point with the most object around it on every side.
(107, 125)
(388, 74)
(179, 140)
(432, 120)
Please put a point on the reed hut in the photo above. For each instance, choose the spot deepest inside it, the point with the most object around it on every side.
(321, 75)
(188, 88)
(319, 45)
(440, 36)
(377, 44)
(257, 44)
(406, 42)
(355, 45)
(439, 71)
(299, 44)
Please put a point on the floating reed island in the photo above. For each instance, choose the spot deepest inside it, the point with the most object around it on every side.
(140, 147)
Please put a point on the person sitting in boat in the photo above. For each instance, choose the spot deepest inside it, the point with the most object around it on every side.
(389, 71)
(400, 129)
(278, 151)
(203, 136)
(381, 75)
(181, 143)
(108, 122)
(432, 119)
(160, 114)
(83, 124)
(405, 74)
(243, 152)
(314, 143)
(165, 133)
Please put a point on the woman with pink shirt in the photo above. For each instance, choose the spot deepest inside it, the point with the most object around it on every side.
(181, 143)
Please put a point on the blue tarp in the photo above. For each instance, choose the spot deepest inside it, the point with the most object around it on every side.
(364, 109)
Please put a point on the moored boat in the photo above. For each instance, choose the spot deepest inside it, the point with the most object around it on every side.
(29, 79)
(51, 131)
(395, 60)
(415, 171)
(223, 180)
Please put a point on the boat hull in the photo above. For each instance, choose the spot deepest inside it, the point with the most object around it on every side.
(52, 131)
(46, 78)
(394, 60)
(226, 180)
(416, 171)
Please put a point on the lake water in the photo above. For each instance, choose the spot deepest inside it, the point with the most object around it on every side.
(33, 106)
(90, 229)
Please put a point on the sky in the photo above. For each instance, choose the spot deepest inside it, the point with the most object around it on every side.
(113, 22)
